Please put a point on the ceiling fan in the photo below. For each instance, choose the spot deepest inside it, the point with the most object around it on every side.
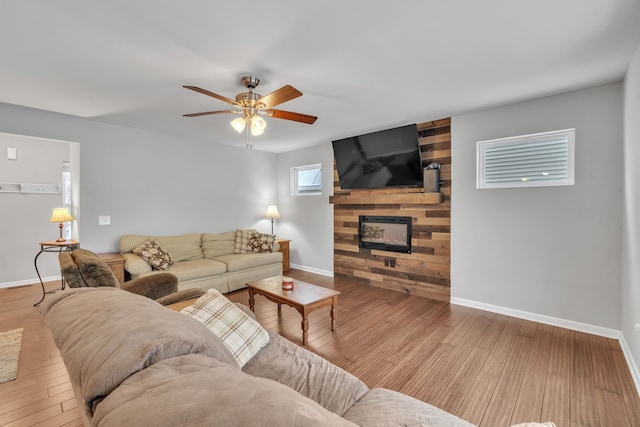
(250, 106)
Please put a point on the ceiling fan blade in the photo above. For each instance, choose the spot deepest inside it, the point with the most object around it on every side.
(284, 94)
(288, 115)
(215, 95)
(206, 113)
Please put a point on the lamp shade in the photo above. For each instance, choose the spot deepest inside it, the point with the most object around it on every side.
(258, 125)
(238, 124)
(272, 212)
(61, 215)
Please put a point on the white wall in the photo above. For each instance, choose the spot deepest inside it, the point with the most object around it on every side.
(631, 214)
(553, 251)
(150, 183)
(25, 217)
(307, 220)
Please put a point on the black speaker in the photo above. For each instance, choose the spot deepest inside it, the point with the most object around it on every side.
(431, 180)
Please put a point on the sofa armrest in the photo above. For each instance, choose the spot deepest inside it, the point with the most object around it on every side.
(134, 264)
(153, 286)
(179, 296)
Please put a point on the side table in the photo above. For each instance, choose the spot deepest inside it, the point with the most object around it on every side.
(115, 261)
(284, 248)
(53, 246)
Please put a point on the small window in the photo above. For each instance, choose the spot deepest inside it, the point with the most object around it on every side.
(306, 180)
(535, 160)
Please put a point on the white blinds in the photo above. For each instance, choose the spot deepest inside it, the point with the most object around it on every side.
(529, 160)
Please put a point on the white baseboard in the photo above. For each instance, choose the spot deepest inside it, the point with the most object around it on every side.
(29, 282)
(633, 367)
(312, 270)
(561, 323)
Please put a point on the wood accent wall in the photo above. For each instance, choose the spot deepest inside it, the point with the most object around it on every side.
(425, 271)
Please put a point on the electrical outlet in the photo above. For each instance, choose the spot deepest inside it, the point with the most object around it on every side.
(637, 328)
(104, 220)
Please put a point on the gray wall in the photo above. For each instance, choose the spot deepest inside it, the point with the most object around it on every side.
(631, 216)
(553, 251)
(149, 183)
(307, 220)
(25, 217)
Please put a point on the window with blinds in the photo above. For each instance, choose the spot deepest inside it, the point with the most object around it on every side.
(535, 160)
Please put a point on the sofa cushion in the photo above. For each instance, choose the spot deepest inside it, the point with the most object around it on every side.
(181, 248)
(100, 354)
(210, 394)
(259, 242)
(129, 241)
(242, 240)
(197, 268)
(243, 335)
(307, 373)
(239, 262)
(154, 254)
(214, 245)
(184, 247)
(381, 407)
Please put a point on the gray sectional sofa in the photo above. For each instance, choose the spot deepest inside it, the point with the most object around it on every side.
(133, 362)
(204, 260)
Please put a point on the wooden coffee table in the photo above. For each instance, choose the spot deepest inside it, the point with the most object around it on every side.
(304, 297)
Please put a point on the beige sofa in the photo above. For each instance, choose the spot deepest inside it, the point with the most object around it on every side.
(204, 260)
(133, 362)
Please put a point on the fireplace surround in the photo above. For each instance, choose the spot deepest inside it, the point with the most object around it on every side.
(426, 270)
(385, 233)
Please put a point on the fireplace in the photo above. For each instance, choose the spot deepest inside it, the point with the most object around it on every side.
(385, 233)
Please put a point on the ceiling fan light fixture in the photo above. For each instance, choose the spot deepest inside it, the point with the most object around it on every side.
(238, 124)
(258, 125)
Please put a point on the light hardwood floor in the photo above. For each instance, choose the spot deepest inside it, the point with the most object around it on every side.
(489, 369)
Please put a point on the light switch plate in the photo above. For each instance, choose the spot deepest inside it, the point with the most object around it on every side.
(12, 153)
(104, 220)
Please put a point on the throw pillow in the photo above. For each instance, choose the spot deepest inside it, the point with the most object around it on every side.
(239, 332)
(242, 240)
(151, 251)
(259, 242)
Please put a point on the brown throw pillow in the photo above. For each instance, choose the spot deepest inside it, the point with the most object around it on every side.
(151, 251)
(259, 242)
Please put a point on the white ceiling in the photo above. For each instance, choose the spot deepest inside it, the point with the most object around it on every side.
(363, 65)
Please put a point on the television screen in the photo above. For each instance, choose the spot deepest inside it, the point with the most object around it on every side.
(388, 158)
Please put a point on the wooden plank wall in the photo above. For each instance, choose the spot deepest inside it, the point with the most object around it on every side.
(425, 271)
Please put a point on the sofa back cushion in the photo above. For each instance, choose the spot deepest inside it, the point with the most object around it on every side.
(195, 390)
(309, 374)
(105, 335)
(214, 245)
(181, 248)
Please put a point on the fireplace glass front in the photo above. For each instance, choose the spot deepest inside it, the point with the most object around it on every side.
(386, 233)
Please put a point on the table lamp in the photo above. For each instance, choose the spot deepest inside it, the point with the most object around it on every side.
(61, 215)
(272, 212)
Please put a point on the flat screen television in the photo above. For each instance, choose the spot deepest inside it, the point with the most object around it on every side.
(388, 158)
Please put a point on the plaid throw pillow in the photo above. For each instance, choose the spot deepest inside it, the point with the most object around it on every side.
(154, 254)
(242, 240)
(239, 332)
